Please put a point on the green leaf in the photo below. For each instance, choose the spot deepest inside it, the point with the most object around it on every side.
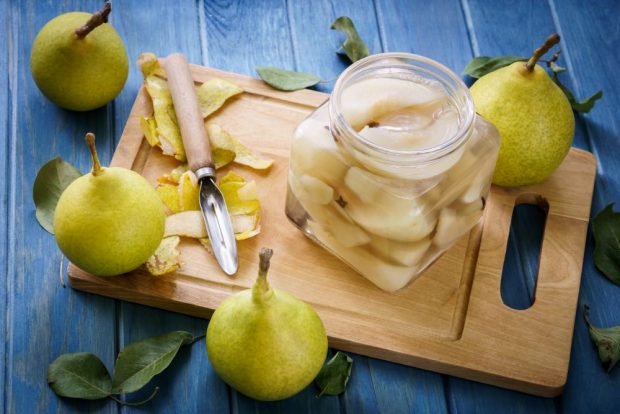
(481, 65)
(286, 80)
(584, 106)
(606, 340)
(140, 361)
(353, 46)
(79, 375)
(334, 375)
(606, 230)
(51, 181)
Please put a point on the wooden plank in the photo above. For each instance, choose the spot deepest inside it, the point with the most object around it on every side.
(501, 28)
(435, 29)
(315, 46)
(162, 28)
(589, 33)
(361, 318)
(262, 35)
(7, 58)
(45, 320)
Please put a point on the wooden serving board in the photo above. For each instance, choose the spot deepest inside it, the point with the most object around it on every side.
(451, 319)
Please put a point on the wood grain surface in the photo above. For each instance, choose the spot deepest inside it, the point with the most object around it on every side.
(451, 319)
(40, 320)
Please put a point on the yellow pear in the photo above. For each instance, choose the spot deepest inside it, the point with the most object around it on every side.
(533, 116)
(264, 342)
(108, 221)
(79, 61)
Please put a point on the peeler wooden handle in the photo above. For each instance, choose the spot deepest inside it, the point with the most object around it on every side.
(191, 123)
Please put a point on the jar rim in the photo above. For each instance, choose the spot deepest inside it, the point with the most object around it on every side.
(446, 146)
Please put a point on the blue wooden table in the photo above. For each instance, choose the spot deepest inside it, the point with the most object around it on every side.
(39, 319)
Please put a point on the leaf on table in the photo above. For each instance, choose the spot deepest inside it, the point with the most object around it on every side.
(214, 93)
(140, 361)
(607, 341)
(585, 105)
(333, 377)
(481, 65)
(221, 140)
(286, 80)
(79, 375)
(606, 231)
(52, 179)
(353, 46)
(166, 258)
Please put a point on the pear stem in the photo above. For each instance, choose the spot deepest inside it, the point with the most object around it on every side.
(96, 20)
(261, 289)
(90, 139)
(551, 41)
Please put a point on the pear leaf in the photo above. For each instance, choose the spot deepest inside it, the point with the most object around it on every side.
(353, 46)
(52, 179)
(606, 230)
(140, 361)
(606, 340)
(481, 65)
(79, 375)
(333, 377)
(286, 80)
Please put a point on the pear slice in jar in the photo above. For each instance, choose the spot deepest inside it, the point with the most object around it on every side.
(314, 152)
(370, 99)
(386, 276)
(310, 189)
(406, 254)
(454, 223)
(379, 211)
(330, 216)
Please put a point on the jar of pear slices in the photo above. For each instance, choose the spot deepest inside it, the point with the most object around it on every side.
(393, 168)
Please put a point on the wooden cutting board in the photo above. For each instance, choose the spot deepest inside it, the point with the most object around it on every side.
(451, 319)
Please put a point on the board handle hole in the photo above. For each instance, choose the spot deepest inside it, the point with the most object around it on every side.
(520, 272)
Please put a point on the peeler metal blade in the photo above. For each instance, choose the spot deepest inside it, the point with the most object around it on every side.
(219, 225)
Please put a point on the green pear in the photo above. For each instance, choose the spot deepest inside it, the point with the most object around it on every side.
(108, 221)
(79, 61)
(264, 342)
(533, 116)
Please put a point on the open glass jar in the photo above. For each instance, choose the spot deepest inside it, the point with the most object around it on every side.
(393, 168)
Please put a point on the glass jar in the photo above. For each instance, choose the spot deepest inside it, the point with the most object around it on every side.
(393, 168)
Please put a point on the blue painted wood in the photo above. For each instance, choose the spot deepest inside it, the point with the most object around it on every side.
(591, 36)
(502, 28)
(314, 46)
(45, 320)
(436, 29)
(189, 385)
(6, 155)
(262, 36)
